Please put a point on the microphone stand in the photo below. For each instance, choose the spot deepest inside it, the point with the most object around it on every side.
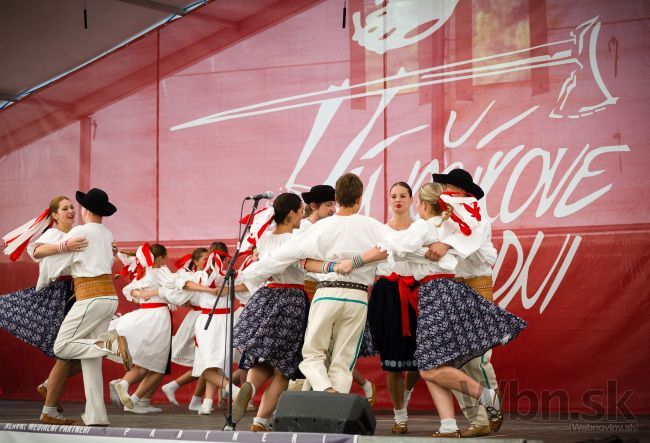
(230, 278)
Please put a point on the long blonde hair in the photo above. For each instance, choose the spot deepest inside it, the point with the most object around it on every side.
(429, 193)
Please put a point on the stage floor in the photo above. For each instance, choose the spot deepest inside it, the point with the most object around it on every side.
(551, 429)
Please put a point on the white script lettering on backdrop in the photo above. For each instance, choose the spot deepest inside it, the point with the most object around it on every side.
(559, 175)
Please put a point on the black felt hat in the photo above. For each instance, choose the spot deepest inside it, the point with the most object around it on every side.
(96, 201)
(462, 179)
(319, 194)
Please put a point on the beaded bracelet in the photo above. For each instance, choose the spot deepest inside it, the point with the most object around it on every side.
(62, 246)
(328, 267)
(357, 261)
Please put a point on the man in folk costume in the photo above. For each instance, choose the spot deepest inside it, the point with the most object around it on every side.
(319, 204)
(474, 270)
(338, 310)
(83, 334)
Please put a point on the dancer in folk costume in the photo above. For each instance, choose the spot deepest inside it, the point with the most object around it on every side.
(83, 334)
(271, 329)
(392, 314)
(455, 324)
(212, 359)
(190, 269)
(243, 296)
(338, 311)
(36, 316)
(320, 203)
(148, 329)
(475, 271)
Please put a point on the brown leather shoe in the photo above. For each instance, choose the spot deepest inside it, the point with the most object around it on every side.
(455, 434)
(123, 352)
(400, 428)
(495, 425)
(49, 420)
(42, 391)
(259, 428)
(476, 431)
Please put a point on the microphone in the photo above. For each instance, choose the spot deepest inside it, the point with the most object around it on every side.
(267, 194)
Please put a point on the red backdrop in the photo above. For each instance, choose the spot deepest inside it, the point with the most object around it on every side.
(545, 102)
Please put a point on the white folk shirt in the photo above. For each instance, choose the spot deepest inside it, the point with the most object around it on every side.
(270, 242)
(399, 267)
(95, 260)
(333, 238)
(410, 245)
(50, 237)
(152, 279)
(479, 263)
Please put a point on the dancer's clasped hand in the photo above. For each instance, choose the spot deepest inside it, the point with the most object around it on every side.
(343, 267)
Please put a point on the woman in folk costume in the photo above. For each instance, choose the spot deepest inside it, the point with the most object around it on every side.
(271, 330)
(36, 316)
(455, 323)
(147, 329)
(190, 269)
(212, 359)
(475, 271)
(392, 314)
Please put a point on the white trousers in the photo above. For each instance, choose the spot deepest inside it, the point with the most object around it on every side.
(336, 320)
(481, 370)
(82, 327)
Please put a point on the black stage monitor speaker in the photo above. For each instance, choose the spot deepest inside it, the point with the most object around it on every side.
(324, 412)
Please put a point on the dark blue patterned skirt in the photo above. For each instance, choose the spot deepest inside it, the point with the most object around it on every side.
(36, 316)
(367, 348)
(456, 324)
(397, 352)
(271, 329)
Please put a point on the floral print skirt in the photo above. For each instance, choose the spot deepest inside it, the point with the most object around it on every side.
(456, 324)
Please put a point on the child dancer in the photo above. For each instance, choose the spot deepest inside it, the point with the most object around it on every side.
(148, 330)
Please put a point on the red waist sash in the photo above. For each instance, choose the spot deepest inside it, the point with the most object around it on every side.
(408, 294)
(153, 305)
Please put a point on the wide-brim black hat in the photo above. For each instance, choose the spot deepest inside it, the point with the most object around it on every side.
(96, 201)
(462, 179)
(319, 194)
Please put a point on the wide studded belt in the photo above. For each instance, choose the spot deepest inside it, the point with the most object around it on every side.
(91, 287)
(342, 284)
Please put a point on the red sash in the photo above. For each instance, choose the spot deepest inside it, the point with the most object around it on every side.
(408, 294)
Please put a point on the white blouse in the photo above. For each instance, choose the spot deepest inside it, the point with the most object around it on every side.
(152, 279)
(333, 238)
(270, 242)
(409, 245)
(95, 260)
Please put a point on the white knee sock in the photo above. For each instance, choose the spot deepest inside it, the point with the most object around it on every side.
(367, 389)
(266, 422)
(448, 425)
(407, 397)
(401, 416)
(489, 398)
(50, 410)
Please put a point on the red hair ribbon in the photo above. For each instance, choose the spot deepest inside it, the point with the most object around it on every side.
(18, 239)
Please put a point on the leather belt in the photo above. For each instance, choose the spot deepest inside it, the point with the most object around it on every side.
(91, 287)
(342, 284)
